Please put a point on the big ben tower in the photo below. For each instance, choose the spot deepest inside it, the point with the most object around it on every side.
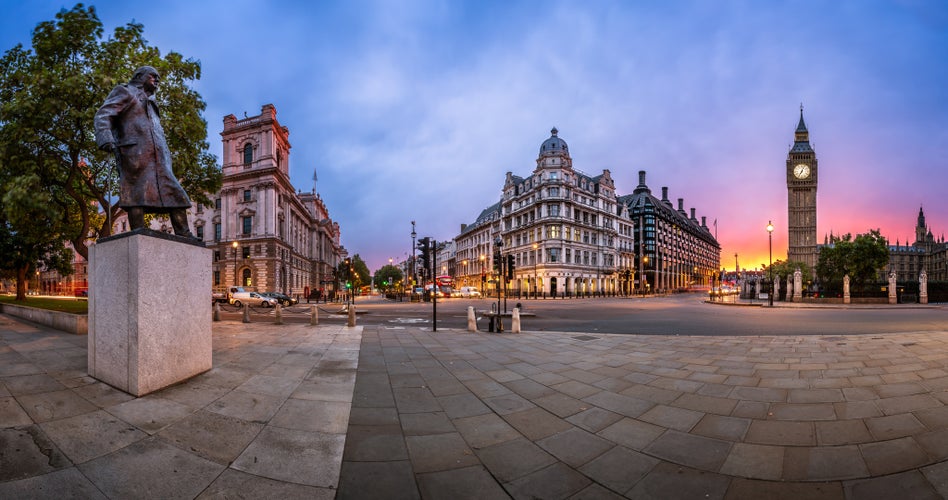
(801, 198)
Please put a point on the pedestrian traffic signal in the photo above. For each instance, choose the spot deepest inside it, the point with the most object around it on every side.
(510, 267)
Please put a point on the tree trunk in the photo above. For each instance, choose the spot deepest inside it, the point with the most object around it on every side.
(21, 283)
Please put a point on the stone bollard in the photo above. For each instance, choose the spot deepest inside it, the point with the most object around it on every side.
(246, 314)
(471, 320)
(515, 321)
(313, 315)
(217, 311)
(278, 312)
(352, 315)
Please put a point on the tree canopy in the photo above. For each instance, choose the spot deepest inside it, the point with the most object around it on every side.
(354, 271)
(785, 269)
(861, 258)
(48, 97)
(388, 276)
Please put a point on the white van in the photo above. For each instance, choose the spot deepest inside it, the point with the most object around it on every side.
(470, 291)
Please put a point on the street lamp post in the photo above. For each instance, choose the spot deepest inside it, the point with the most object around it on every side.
(536, 277)
(235, 245)
(482, 273)
(414, 278)
(770, 267)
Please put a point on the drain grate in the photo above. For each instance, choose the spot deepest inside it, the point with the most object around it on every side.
(585, 338)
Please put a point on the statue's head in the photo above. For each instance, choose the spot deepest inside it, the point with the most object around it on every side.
(141, 73)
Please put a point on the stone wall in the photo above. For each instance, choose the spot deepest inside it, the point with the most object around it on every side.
(67, 322)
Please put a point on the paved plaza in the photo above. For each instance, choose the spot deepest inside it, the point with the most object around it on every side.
(299, 411)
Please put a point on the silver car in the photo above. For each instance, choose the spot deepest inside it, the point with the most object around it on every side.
(252, 299)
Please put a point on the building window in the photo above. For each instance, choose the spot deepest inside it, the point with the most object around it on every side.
(246, 280)
(200, 208)
(217, 277)
(246, 251)
(246, 222)
(200, 232)
(246, 195)
(217, 204)
(248, 155)
(217, 231)
(217, 255)
(553, 255)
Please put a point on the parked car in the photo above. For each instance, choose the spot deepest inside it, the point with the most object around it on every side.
(252, 299)
(283, 299)
(469, 291)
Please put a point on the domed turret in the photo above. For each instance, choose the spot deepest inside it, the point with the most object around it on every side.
(554, 146)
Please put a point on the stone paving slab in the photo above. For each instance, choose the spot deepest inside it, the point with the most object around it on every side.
(319, 412)
(265, 422)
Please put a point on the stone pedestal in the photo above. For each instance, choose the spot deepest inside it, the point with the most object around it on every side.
(149, 320)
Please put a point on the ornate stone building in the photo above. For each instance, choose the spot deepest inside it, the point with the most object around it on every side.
(801, 198)
(474, 249)
(670, 248)
(926, 253)
(570, 233)
(265, 234)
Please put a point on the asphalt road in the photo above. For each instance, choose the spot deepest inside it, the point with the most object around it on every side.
(672, 315)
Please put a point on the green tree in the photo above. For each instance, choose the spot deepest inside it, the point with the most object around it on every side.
(861, 258)
(786, 269)
(387, 276)
(354, 271)
(49, 95)
(26, 245)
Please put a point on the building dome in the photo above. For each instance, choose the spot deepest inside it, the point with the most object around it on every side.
(554, 146)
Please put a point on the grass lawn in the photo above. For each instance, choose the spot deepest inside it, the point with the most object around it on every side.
(64, 304)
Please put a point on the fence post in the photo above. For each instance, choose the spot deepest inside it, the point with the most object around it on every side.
(313, 315)
(278, 312)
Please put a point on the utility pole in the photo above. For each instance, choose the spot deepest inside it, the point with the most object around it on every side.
(434, 286)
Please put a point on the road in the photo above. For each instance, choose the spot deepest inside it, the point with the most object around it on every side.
(672, 315)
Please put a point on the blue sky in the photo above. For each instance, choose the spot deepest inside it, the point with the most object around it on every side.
(415, 110)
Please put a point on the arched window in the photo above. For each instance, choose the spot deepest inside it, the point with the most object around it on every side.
(248, 154)
(246, 279)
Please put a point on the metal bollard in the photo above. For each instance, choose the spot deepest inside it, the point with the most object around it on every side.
(278, 312)
(246, 314)
(313, 315)
(217, 311)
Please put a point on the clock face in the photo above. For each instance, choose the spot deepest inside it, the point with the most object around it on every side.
(801, 171)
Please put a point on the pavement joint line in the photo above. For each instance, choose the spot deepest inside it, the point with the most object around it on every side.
(907, 412)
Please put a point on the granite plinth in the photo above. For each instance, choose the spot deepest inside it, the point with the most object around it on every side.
(149, 320)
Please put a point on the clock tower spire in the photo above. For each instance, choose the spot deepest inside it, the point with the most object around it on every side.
(801, 198)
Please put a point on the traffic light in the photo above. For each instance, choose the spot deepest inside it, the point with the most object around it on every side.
(510, 267)
(424, 245)
(497, 263)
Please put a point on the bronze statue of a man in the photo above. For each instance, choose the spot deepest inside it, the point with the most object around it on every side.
(128, 125)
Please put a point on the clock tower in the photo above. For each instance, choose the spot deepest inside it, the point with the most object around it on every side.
(801, 198)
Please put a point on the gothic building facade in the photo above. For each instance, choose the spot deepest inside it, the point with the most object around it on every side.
(802, 170)
(925, 254)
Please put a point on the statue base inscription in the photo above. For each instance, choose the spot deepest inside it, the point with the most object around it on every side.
(149, 314)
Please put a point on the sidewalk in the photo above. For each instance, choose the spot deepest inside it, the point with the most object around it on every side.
(451, 414)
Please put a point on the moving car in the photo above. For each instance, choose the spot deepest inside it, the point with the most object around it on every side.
(469, 291)
(283, 299)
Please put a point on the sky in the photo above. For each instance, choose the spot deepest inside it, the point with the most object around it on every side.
(416, 110)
